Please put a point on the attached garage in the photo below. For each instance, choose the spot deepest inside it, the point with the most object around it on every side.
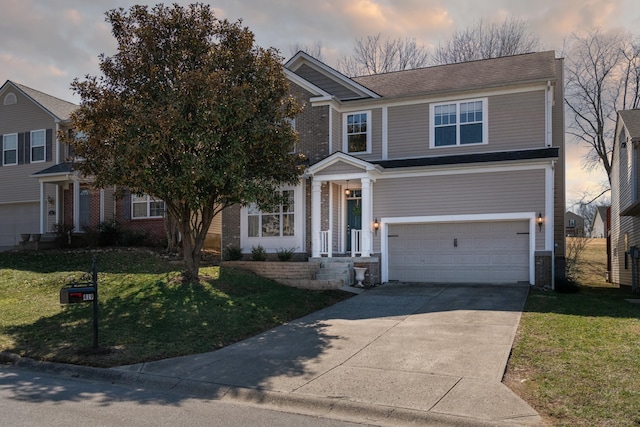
(17, 218)
(460, 252)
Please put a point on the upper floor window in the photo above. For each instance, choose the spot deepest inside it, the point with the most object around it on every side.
(145, 206)
(278, 223)
(10, 149)
(357, 132)
(38, 146)
(459, 123)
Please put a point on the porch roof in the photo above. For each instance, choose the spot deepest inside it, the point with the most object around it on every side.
(59, 169)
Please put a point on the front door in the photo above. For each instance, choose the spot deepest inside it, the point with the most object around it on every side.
(354, 218)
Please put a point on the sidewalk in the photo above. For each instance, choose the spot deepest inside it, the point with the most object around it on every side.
(394, 355)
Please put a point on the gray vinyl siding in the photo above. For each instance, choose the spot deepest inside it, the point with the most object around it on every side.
(461, 194)
(516, 122)
(25, 116)
(339, 168)
(557, 135)
(325, 83)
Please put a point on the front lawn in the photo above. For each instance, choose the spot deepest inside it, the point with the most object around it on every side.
(576, 358)
(145, 312)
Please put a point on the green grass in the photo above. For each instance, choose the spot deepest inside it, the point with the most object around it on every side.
(576, 359)
(145, 311)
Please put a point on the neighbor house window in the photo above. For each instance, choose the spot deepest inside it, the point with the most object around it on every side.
(10, 149)
(37, 146)
(357, 128)
(278, 223)
(145, 206)
(459, 123)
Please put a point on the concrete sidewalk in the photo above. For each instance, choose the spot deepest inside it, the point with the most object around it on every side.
(393, 355)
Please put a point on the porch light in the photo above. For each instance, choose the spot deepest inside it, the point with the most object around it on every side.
(376, 226)
(540, 221)
(50, 200)
(347, 192)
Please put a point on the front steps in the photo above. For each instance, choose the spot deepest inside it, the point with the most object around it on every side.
(335, 269)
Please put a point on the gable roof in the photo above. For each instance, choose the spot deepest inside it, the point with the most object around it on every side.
(487, 73)
(631, 120)
(57, 107)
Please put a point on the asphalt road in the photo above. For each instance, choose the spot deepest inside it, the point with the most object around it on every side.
(32, 399)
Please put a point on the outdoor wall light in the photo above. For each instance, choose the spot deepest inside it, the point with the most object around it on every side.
(376, 226)
(347, 192)
(50, 200)
(540, 221)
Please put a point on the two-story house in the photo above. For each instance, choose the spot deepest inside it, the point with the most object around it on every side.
(624, 253)
(452, 173)
(40, 189)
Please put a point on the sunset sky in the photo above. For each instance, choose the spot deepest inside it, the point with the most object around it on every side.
(45, 44)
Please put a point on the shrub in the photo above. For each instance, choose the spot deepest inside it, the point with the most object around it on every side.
(285, 254)
(110, 233)
(258, 253)
(133, 237)
(63, 234)
(91, 236)
(232, 253)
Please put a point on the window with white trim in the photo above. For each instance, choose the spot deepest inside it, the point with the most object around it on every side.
(357, 132)
(10, 149)
(278, 223)
(459, 123)
(38, 146)
(145, 206)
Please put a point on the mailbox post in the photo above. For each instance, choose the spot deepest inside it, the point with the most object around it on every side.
(86, 291)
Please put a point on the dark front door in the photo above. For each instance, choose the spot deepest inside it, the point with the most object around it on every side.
(354, 218)
(84, 208)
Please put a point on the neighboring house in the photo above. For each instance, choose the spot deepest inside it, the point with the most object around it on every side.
(452, 173)
(599, 223)
(40, 188)
(625, 201)
(574, 225)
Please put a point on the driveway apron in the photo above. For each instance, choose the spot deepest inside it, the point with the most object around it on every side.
(413, 351)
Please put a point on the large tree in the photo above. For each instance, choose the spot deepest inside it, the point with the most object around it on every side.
(602, 76)
(189, 110)
(374, 55)
(485, 41)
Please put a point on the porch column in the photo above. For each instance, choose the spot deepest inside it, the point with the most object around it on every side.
(366, 217)
(316, 200)
(43, 204)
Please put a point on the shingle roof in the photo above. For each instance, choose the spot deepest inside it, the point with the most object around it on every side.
(486, 73)
(60, 168)
(501, 156)
(631, 119)
(56, 106)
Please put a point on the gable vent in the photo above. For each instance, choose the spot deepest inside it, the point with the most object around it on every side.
(10, 99)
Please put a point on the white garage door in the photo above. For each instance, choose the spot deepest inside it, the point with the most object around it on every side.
(16, 219)
(465, 252)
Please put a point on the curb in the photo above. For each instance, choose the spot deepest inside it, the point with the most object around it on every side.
(335, 408)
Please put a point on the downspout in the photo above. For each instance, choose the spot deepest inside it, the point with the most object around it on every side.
(548, 116)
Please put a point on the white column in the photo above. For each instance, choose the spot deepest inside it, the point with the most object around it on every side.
(43, 208)
(367, 220)
(316, 209)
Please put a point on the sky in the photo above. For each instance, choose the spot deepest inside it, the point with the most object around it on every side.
(45, 44)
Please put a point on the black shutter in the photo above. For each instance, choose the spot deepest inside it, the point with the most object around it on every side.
(20, 148)
(27, 147)
(49, 145)
(2, 155)
(127, 204)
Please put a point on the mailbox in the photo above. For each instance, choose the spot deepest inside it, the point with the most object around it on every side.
(75, 294)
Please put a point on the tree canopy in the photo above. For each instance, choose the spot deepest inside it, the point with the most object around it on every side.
(189, 110)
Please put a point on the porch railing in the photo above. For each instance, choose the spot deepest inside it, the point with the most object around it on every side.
(356, 242)
(324, 242)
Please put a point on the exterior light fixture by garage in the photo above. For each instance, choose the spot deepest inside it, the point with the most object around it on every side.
(376, 226)
(540, 221)
(347, 192)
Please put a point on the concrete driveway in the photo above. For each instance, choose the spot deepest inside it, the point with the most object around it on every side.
(396, 354)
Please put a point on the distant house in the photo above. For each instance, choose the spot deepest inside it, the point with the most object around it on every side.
(574, 225)
(40, 189)
(625, 201)
(599, 223)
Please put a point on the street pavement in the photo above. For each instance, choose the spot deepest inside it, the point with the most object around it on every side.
(398, 354)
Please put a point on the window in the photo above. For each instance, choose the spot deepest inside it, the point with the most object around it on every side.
(358, 132)
(572, 223)
(10, 99)
(10, 149)
(459, 123)
(37, 146)
(145, 206)
(279, 223)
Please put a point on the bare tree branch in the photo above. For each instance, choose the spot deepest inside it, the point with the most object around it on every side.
(314, 50)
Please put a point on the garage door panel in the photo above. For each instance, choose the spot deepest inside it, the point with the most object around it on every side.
(459, 252)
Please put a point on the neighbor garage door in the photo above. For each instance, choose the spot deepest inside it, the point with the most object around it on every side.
(466, 252)
(15, 219)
